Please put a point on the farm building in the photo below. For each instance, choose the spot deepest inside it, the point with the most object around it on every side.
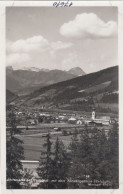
(72, 120)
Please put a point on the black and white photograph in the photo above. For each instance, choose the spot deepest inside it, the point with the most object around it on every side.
(62, 97)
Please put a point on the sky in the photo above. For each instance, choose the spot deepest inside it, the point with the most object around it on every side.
(62, 38)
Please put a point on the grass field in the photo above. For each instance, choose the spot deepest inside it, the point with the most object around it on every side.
(48, 127)
(33, 145)
(96, 87)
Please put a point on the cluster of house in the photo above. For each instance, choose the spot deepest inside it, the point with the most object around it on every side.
(46, 117)
(93, 120)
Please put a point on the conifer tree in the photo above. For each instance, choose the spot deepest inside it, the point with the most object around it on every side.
(113, 156)
(85, 152)
(74, 169)
(80, 153)
(99, 160)
(74, 144)
(60, 165)
(15, 154)
(45, 164)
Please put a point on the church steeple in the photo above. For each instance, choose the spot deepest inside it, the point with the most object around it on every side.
(93, 114)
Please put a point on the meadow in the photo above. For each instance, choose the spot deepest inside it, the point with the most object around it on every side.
(33, 145)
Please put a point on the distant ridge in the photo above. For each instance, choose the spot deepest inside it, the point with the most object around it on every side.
(28, 79)
(94, 85)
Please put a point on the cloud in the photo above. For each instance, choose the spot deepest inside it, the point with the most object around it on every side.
(60, 45)
(17, 58)
(36, 43)
(88, 26)
(31, 44)
(25, 49)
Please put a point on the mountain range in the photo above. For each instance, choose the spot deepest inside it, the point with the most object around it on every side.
(80, 93)
(26, 80)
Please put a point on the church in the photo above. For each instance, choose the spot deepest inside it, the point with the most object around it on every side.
(102, 120)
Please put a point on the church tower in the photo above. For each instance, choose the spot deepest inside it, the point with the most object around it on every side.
(93, 114)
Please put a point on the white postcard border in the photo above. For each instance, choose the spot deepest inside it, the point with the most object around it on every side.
(3, 6)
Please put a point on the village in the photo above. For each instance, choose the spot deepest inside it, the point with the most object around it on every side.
(34, 118)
